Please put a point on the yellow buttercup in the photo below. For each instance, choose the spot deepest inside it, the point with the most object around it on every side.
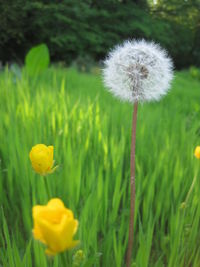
(41, 157)
(197, 152)
(55, 226)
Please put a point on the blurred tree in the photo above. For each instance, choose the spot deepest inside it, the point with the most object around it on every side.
(12, 29)
(89, 28)
(184, 18)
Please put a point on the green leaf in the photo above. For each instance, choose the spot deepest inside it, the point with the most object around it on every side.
(37, 59)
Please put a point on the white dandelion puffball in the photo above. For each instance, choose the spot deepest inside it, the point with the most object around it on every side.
(138, 71)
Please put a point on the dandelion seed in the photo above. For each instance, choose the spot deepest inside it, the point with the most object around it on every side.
(55, 226)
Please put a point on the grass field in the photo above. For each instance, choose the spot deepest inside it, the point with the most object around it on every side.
(90, 131)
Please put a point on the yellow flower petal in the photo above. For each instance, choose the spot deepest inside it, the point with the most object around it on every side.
(51, 150)
(68, 228)
(197, 152)
(41, 157)
(56, 203)
(55, 226)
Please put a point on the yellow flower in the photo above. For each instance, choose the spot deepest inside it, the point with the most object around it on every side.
(197, 152)
(41, 157)
(55, 226)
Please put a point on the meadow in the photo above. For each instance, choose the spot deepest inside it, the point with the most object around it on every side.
(90, 131)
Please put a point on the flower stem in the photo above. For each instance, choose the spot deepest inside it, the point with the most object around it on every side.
(191, 188)
(46, 186)
(132, 180)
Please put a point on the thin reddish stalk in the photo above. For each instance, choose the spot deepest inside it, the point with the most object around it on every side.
(132, 180)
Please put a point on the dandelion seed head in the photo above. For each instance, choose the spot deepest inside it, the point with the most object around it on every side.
(138, 71)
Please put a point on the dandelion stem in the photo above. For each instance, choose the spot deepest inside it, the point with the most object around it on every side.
(132, 181)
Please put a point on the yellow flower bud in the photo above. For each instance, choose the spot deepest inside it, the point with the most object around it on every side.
(197, 152)
(78, 258)
(41, 157)
(55, 226)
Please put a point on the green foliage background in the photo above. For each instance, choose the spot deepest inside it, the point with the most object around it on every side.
(91, 133)
(88, 28)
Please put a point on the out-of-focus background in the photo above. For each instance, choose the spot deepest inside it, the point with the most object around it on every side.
(84, 31)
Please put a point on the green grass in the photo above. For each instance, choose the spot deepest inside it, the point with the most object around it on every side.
(91, 132)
